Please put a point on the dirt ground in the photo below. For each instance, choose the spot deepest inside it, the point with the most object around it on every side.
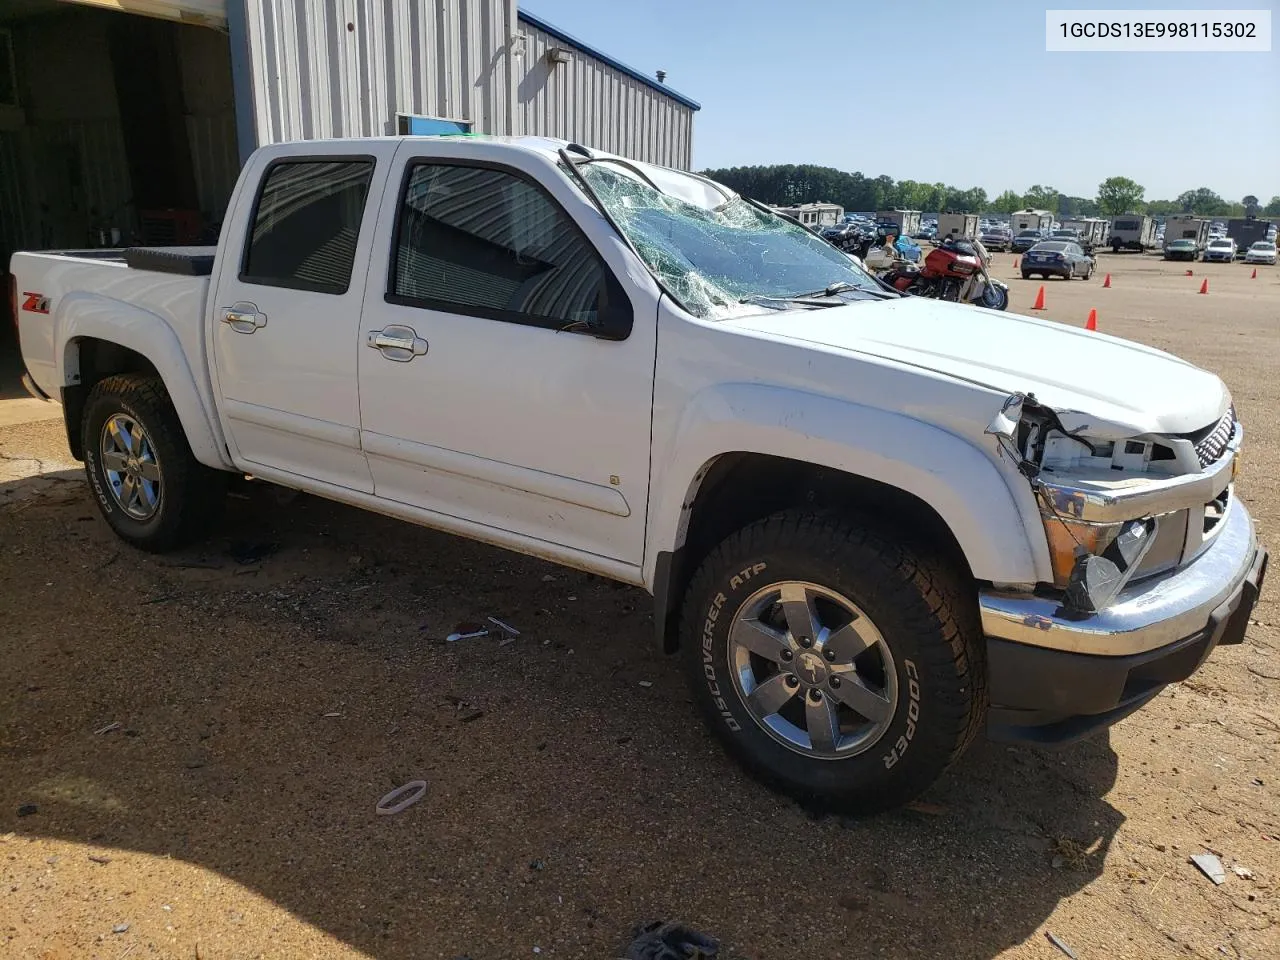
(203, 737)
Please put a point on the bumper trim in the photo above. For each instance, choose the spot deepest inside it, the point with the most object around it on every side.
(1146, 615)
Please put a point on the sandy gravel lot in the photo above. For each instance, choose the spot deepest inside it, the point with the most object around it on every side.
(266, 688)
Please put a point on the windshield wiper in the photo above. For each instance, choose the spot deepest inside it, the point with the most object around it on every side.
(830, 290)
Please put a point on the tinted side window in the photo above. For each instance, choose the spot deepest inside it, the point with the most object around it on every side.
(306, 223)
(488, 243)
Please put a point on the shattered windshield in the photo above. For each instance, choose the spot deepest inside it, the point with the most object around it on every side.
(713, 258)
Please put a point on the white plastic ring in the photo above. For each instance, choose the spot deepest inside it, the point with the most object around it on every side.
(412, 792)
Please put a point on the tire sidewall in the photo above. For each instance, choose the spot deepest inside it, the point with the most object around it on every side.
(99, 410)
(905, 757)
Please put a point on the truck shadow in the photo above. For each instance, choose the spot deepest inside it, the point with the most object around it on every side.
(272, 684)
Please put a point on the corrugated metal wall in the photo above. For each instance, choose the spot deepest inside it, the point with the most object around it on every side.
(345, 68)
(592, 103)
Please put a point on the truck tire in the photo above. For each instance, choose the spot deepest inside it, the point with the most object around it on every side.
(836, 662)
(149, 487)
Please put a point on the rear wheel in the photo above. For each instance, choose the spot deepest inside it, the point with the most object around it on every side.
(148, 485)
(835, 662)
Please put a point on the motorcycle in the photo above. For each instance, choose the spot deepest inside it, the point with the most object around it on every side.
(955, 271)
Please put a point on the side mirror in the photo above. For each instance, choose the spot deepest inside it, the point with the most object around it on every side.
(614, 313)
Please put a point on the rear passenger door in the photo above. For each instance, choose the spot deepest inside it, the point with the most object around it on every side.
(286, 313)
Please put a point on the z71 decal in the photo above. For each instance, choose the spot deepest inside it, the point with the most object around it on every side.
(35, 302)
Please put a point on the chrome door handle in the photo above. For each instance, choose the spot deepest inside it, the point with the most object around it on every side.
(243, 317)
(397, 343)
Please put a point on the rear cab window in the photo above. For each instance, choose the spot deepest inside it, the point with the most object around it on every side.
(306, 222)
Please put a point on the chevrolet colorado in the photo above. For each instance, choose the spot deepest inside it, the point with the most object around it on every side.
(873, 524)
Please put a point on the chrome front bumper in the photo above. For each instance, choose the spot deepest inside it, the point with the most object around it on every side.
(1149, 614)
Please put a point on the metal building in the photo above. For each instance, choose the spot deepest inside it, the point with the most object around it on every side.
(128, 123)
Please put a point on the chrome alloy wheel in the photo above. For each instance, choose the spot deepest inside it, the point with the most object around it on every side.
(812, 669)
(130, 465)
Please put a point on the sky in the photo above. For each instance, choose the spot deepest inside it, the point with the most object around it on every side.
(958, 92)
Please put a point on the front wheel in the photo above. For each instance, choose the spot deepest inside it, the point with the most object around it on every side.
(995, 298)
(148, 485)
(836, 663)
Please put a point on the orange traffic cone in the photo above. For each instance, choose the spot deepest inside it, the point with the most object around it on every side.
(1039, 304)
(1204, 287)
(1092, 322)
(1016, 261)
(1106, 282)
(1254, 276)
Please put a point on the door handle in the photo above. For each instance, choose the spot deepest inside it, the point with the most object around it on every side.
(243, 317)
(397, 343)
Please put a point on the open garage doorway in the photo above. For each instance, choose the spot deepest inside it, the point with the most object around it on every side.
(115, 128)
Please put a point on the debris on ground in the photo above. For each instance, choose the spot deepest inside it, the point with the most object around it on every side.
(646, 684)
(671, 941)
(99, 859)
(120, 928)
(401, 798)
(473, 631)
(1060, 945)
(115, 725)
(931, 809)
(537, 865)
(1210, 866)
(27, 809)
(1069, 853)
(1244, 873)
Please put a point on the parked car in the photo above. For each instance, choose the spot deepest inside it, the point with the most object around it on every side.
(836, 495)
(1026, 239)
(925, 233)
(996, 239)
(1057, 258)
(1223, 249)
(1182, 249)
(1264, 251)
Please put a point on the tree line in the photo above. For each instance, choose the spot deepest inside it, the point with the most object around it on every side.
(788, 183)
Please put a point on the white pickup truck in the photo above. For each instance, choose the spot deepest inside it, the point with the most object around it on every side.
(872, 524)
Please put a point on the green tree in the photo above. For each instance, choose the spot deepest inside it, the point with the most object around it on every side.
(1250, 204)
(1041, 198)
(973, 200)
(1272, 209)
(1118, 195)
(1162, 208)
(1007, 202)
(1202, 200)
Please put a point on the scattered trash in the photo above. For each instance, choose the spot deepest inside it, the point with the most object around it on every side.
(27, 809)
(932, 809)
(1210, 866)
(1061, 946)
(537, 865)
(646, 684)
(572, 598)
(115, 725)
(473, 631)
(331, 714)
(1257, 781)
(97, 859)
(246, 552)
(671, 941)
(1244, 873)
(120, 928)
(401, 798)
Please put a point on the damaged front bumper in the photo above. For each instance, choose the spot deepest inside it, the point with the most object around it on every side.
(1056, 676)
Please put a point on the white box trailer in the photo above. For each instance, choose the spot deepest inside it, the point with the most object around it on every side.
(1093, 231)
(907, 221)
(958, 225)
(1132, 231)
(1186, 227)
(1030, 220)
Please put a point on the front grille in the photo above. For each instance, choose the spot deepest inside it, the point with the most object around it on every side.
(1211, 442)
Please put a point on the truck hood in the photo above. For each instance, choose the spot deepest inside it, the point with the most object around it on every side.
(1100, 386)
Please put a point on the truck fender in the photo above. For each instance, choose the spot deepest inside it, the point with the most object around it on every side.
(958, 480)
(81, 315)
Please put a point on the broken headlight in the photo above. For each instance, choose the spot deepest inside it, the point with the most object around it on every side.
(1093, 561)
